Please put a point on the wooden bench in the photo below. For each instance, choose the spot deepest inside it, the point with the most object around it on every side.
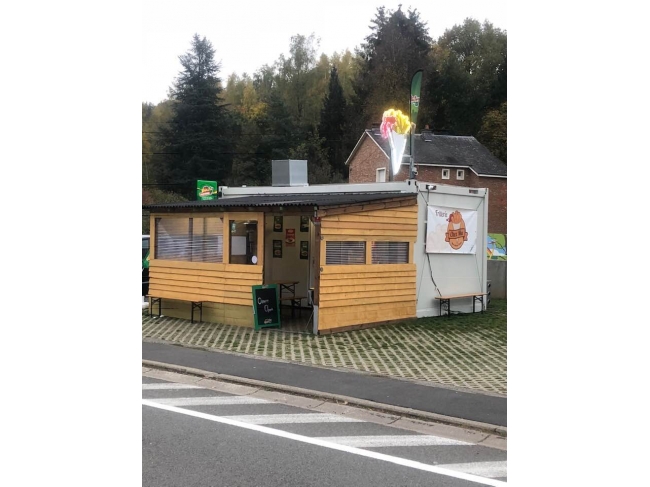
(295, 301)
(445, 301)
(195, 305)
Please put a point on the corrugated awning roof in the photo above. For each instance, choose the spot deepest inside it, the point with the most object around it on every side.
(303, 199)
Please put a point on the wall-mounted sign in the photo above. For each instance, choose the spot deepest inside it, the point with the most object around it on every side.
(304, 223)
(290, 238)
(277, 223)
(304, 249)
(497, 246)
(277, 249)
(266, 310)
(206, 190)
(451, 231)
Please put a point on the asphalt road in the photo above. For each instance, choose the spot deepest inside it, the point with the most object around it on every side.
(384, 390)
(263, 443)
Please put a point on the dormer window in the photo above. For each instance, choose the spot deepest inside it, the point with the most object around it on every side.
(445, 174)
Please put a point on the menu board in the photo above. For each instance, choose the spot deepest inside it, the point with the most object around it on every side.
(266, 309)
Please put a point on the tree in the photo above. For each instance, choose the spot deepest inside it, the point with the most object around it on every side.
(332, 122)
(471, 63)
(272, 135)
(197, 143)
(296, 78)
(494, 132)
(393, 52)
(318, 168)
(346, 66)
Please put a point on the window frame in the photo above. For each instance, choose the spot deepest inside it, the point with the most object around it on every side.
(389, 252)
(460, 174)
(187, 253)
(363, 252)
(381, 170)
(448, 173)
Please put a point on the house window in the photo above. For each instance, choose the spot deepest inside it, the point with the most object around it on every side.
(189, 239)
(345, 253)
(381, 175)
(460, 174)
(390, 252)
(445, 174)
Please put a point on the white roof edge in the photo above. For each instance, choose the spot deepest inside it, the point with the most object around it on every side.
(355, 148)
(354, 151)
(377, 144)
(402, 186)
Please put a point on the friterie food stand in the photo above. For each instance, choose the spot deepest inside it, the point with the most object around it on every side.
(364, 253)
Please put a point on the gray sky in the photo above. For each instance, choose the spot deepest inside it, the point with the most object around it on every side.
(247, 35)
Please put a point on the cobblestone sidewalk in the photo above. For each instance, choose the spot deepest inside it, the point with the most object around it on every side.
(443, 351)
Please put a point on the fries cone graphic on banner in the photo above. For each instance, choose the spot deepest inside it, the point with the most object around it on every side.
(397, 147)
(395, 127)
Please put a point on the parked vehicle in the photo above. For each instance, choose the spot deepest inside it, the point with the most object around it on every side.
(145, 265)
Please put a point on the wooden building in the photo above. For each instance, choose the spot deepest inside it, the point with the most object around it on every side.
(352, 253)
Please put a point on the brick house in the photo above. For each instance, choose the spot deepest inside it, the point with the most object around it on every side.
(442, 159)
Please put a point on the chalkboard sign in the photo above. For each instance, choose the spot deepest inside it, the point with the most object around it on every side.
(265, 306)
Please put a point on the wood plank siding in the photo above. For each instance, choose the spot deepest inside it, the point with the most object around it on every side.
(198, 281)
(368, 293)
(225, 289)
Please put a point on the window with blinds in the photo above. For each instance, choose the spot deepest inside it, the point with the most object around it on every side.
(390, 252)
(189, 239)
(343, 253)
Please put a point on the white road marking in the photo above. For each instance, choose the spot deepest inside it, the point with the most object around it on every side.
(210, 401)
(162, 387)
(484, 469)
(392, 440)
(329, 444)
(292, 418)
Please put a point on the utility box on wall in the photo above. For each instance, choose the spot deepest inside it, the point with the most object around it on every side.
(289, 172)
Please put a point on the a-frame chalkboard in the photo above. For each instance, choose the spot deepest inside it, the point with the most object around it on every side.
(266, 308)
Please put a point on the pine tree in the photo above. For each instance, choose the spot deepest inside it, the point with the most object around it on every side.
(197, 143)
(397, 47)
(332, 122)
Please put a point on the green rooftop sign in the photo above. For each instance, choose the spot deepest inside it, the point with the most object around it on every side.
(206, 190)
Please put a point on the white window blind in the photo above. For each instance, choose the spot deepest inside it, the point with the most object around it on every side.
(189, 239)
(343, 253)
(207, 240)
(390, 252)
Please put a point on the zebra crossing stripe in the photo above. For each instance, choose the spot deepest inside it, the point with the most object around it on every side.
(392, 440)
(484, 469)
(210, 401)
(164, 387)
(333, 446)
(292, 418)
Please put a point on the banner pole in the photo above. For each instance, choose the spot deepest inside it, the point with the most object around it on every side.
(414, 106)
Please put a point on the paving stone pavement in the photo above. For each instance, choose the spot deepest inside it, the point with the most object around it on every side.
(472, 359)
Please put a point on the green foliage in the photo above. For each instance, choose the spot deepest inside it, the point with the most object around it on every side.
(296, 79)
(332, 123)
(494, 132)
(319, 169)
(315, 106)
(197, 144)
(393, 52)
(154, 196)
(470, 63)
